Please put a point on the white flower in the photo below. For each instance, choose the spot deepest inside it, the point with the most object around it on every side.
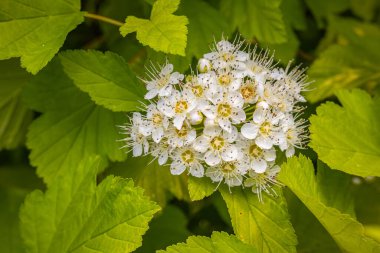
(186, 158)
(156, 124)
(263, 181)
(225, 55)
(249, 91)
(161, 81)
(227, 80)
(161, 151)
(204, 65)
(182, 137)
(225, 109)
(295, 135)
(264, 129)
(257, 156)
(177, 106)
(136, 139)
(217, 145)
(232, 172)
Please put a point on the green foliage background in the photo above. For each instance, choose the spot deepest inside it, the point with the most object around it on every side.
(68, 78)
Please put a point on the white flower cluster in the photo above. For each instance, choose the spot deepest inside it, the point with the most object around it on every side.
(227, 122)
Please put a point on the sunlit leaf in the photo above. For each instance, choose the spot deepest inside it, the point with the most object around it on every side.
(76, 215)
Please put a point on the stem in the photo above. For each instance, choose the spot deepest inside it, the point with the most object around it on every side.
(104, 19)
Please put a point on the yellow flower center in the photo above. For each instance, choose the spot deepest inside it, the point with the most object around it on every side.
(228, 57)
(255, 151)
(224, 110)
(225, 79)
(265, 128)
(248, 92)
(181, 106)
(182, 132)
(217, 143)
(187, 156)
(228, 168)
(197, 90)
(157, 119)
(163, 81)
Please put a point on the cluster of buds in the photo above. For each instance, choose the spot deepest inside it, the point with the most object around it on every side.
(228, 121)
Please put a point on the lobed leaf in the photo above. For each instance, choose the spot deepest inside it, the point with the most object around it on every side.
(75, 215)
(261, 19)
(163, 31)
(347, 138)
(263, 224)
(298, 175)
(219, 242)
(36, 30)
(72, 129)
(14, 115)
(106, 77)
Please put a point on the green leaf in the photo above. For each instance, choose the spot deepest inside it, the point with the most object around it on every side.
(219, 242)
(15, 184)
(14, 116)
(155, 179)
(36, 30)
(261, 19)
(334, 133)
(163, 31)
(106, 77)
(366, 9)
(64, 135)
(298, 175)
(353, 62)
(311, 235)
(263, 224)
(164, 230)
(76, 215)
(324, 8)
(199, 188)
(367, 202)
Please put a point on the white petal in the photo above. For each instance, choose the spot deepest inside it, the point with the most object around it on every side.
(201, 144)
(177, 168)
(249, 131)
(211, 56)
(214, 174)
(165, 91)
(238, 116)
(235, 99)
(225, 124)
(241, 56)
(175, 78)
(259, 165)
(163, 158)
(197, 170)
(209, 111)
(137, 149)
(151, 94)
(270, 155)
(230, 153)
(212, 130)
(212, 159)
(259, 115)
(290, 151)
(167, 69)
(235, 84)
(178, 121)
(157, 134)
(191, 137)
(264, 143)
(234, 180)
(231, 137)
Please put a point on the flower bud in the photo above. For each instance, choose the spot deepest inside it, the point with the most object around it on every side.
(204, 65)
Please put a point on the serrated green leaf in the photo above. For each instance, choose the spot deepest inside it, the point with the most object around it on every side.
(106, 77)
(264, 224)
(61, 137)
(298, 175)
(163, 31)
(164, 230)
(75, 215)
(294, 13)
(219, 242)
(155, 179)
(36, 30)
(347, 138)
(352, 62)
(14, 116)
(199, 188)
(261, 19)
